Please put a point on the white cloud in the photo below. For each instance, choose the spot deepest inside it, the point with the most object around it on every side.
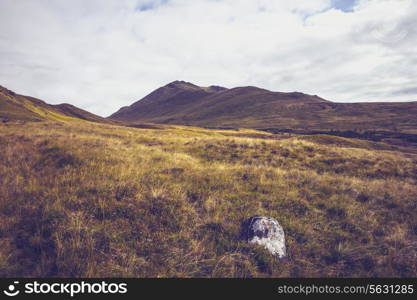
(101, 55)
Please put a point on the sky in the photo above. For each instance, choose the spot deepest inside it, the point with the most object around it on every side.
(102, 55)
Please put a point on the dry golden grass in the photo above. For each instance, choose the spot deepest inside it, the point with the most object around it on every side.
(84, 199)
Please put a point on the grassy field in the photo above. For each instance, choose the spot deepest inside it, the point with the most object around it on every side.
(96, 200)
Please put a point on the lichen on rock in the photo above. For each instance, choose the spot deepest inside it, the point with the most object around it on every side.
(266, 232)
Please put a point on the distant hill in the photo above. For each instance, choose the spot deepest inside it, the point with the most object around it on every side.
(24, 108)
(184, 103)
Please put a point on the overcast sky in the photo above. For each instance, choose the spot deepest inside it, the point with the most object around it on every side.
(104, 54)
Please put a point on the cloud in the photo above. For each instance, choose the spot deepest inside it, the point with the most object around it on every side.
(101, 55)
(150, 5)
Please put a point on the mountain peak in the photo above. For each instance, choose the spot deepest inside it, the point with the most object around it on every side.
(182, 85)
(179, 82)
(185, 85)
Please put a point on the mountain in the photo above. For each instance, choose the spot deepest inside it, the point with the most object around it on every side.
(165, 102)
(184, 103)
(24, 108)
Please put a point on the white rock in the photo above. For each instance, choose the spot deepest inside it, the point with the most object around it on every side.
(267, 232)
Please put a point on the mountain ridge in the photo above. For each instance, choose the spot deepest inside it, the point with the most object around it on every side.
(166, 99)
(184, 103)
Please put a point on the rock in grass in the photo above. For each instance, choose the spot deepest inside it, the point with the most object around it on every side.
(266, 232)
